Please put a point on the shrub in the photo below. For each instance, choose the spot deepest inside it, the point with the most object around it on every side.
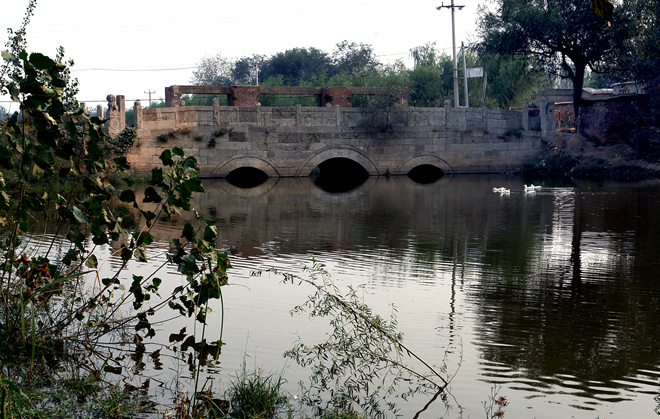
(255, 395)
(222, 131)
(123, 141)
(65, 147)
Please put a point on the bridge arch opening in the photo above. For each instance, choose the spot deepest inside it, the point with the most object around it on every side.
(425, 173)
(339, 174)
(246, 177)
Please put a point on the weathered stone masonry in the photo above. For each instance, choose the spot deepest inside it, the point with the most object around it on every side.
(291, 141)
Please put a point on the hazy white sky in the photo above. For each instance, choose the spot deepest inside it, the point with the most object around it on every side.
(132, 47)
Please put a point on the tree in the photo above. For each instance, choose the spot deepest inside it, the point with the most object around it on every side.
(298, 66)
(430, 81)
(511, 81)
(213, 71)
(639, 58)
(246, 70)
(352, 58)
(565, 36)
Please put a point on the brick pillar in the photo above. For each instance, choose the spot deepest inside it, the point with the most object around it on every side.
(336, 95)
(244, 95)
(172, 98)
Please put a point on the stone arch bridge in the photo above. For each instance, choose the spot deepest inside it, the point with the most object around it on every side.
(292, 141)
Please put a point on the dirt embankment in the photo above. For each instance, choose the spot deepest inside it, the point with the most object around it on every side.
(575, 155)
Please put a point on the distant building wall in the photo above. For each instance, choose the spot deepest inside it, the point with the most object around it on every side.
(611, 119)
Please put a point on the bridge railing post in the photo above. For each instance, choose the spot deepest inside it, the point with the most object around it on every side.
(138, 121)
(447, 108)
(525, 117)
(216, 111)
(547, 119)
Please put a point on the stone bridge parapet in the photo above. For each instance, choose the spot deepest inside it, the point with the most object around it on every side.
(292, 141)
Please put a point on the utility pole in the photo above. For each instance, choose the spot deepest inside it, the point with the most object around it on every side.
(150, 92)
(453, 40)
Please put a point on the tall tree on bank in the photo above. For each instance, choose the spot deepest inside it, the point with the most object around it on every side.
(213, 71)
(352, 58)
(565, 36)
(246, 70)
(298, 66)
(640, 57)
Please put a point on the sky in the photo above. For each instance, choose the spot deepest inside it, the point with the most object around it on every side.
(134, 47)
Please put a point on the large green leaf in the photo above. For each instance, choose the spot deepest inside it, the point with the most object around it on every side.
(40, 61)
(80, 216)
(127, 196)
(150, 195)
(92, 262)
(141, 254)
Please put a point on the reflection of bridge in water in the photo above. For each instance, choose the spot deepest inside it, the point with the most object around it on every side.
(294, 141)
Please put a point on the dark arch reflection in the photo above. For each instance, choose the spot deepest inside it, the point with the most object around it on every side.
(246, 177)
(425, 173)
(339, 175)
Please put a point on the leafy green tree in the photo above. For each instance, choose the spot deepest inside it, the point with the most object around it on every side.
(353, 59)
(430, 81)
(298, 65)
(564, 36)
(512, 81)
(246, 70)
(213, 71)
(639, 57)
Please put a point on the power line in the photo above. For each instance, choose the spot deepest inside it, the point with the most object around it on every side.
(194, 20)
(128, 69)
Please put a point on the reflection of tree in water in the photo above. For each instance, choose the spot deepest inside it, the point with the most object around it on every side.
(592, 314)
(590, 310)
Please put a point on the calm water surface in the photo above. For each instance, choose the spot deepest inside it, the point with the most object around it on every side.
(554, 297)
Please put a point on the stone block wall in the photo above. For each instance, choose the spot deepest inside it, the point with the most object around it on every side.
(291, 141)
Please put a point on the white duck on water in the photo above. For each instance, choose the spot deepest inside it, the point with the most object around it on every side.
(531, 188)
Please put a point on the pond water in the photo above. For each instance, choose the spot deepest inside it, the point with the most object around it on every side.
(554, 296)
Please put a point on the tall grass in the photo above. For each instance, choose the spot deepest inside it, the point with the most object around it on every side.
(255, 395)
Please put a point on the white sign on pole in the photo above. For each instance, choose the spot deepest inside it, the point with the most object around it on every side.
(475, 72)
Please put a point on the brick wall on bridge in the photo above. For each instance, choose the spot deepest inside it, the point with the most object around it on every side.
(291, 141)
